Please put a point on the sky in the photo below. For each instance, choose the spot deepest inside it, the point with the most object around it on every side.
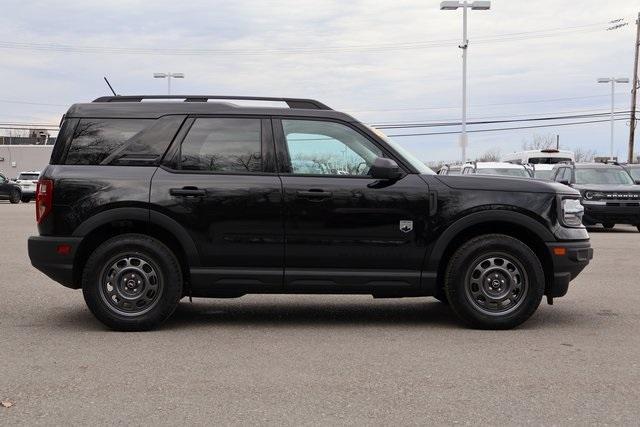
(380, 61)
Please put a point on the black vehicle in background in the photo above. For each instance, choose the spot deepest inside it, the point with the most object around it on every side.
(610, 194)
(145, 203)
(9, 190)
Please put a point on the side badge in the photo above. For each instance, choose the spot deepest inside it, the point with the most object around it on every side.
(406, 226)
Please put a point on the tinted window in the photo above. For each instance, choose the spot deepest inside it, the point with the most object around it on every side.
(223, 145)
(602, 176)
(327, 148)
(28, 176)
(548, 160)
(93, 140)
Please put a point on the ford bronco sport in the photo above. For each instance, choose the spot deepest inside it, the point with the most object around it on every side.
(145, 203)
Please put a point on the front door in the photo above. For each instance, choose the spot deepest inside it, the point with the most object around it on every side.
(220, 185)
(344, 230)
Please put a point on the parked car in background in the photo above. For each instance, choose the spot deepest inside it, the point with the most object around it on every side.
(549, 156)
(9, 190)
(497, 168)
(609, 195)
(27, 182)
(542, 171)
(450, 170)
(634, 171)
(145, 203)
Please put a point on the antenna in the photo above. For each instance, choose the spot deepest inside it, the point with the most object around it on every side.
(110, 87)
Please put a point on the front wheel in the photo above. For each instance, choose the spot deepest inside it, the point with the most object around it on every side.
(14, 197)
(494, 282)
(132, 282)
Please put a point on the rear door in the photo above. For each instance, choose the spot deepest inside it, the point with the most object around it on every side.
(5, 187)
(218, 181)
(346, 231)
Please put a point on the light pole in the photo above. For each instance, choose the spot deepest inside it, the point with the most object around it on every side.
(613, 81)
(168, 76)
(454, 5)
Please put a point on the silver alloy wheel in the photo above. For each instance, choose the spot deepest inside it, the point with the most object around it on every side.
(497, 284)
(130, 285)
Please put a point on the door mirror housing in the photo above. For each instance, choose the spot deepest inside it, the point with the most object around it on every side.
(637, 181)
(564, 182)
(383, 168)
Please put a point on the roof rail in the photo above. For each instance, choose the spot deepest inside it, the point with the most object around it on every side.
(308, 104)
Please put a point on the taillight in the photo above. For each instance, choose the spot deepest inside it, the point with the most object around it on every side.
(44, 199)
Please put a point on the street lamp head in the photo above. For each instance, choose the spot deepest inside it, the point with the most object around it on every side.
(622, 80)
(159, 75)
(604, 80)
(481, 5)
(177, 75)
(449, 5)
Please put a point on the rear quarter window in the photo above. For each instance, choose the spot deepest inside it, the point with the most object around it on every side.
(94, 140)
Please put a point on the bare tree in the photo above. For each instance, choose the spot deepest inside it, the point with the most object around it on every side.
(539, 142)
(492, 155)
(584, 154)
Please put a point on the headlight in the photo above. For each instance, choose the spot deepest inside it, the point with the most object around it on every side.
(572, 211)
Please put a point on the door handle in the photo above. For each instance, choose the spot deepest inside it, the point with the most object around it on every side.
(187, 192)
(315, 195)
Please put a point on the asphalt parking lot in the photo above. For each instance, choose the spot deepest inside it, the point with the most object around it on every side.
(328, 360)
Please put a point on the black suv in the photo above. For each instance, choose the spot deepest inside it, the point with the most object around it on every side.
(9, 190)
(145, 203)
(610, 194)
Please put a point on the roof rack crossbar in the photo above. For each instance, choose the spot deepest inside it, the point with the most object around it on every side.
(309, 104)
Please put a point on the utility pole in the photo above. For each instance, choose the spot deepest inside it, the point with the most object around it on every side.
(613, 81)
(558, 142)
(473, 5)
(634, 93)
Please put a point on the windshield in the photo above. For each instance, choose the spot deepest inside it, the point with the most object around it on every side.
(413, 160)
(504, 171)
(28, 177)
(635, 173)
(603, 176)
(543, 174)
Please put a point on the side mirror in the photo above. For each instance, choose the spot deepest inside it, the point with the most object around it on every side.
(565, 182)
(637, 181)
(383, 168)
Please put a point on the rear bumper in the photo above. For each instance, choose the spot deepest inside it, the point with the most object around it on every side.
(622, 214)
(567, 264)
(43, 253)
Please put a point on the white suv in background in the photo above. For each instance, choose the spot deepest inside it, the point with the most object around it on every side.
(497, 168)
(27, 182)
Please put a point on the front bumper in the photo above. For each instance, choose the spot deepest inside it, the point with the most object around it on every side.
(45, 256)
(569, 259)
(611, 212)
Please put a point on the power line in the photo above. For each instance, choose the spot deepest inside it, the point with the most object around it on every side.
(502, 129)
(486, 122)
(71, 48)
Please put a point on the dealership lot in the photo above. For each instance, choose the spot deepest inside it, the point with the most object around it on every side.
(320, 359)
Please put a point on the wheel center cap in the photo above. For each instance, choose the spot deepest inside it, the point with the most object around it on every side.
(495, 284)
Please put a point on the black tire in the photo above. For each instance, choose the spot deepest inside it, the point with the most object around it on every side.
(147, 278)
(519, 278)
(442, 297)
(14, 197)
(638, 227)
(608, 225)
(25, 199)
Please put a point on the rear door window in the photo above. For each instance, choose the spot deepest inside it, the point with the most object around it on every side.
(223, 145)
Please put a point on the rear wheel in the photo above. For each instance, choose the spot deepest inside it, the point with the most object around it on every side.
(494, 282)
(132, 282)
(25, 199)
(608, 225)
(638, 227)
(14, 197)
